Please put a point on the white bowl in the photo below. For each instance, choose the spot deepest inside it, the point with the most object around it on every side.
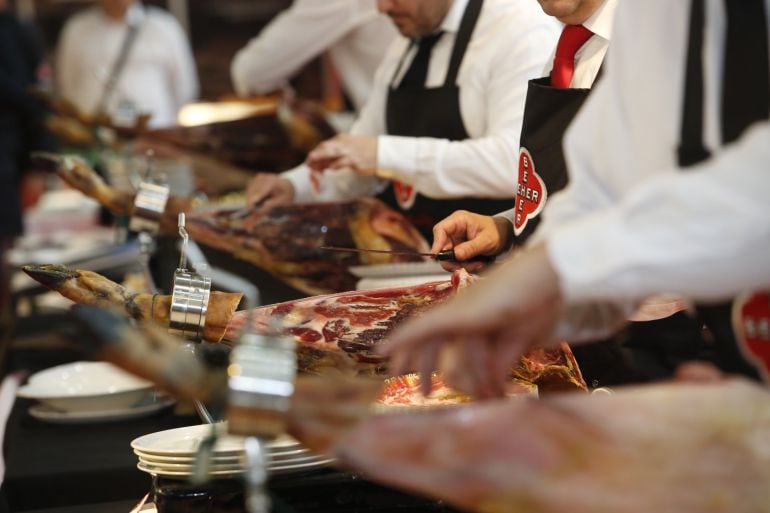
(85, 386)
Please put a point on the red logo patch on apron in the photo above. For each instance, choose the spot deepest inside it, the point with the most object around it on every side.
(751, 323)
(405, 194)
(530, 194)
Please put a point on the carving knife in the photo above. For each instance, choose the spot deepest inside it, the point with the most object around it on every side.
(447, 255)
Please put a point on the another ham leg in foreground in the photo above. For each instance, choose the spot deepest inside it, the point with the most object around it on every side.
(668, 448)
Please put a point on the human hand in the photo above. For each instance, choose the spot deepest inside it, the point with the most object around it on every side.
(471, 235)
(474, 338)
(356, 152)
(269, 190)
(667, 447)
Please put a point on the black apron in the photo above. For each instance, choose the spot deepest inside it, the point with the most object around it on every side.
(435, 112)
(642, 351)
(542, 170)
(729, 354)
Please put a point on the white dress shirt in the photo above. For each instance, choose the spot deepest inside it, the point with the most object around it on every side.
(353, 31)
(589, 58)
(632, 223)
(158, 77)
(510, 44)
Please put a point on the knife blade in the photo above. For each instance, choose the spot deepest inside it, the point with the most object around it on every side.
(447, 255)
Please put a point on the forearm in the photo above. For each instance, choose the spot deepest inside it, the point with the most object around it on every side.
(291, 40)
(703, 233)
(440, 168)
(335, 185)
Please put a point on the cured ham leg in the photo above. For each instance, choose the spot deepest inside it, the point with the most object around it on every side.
(335, 334)
(286, 241)
(79, 175)
(668, 448)
(89, 288)
(341, 332)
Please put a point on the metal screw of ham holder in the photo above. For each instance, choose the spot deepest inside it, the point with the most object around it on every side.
(257, 459)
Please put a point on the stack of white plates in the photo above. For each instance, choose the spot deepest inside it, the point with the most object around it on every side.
(173, 452)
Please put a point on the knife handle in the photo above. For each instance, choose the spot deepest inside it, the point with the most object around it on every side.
(448, 255)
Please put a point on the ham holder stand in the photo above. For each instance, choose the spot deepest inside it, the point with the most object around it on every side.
(261, 374)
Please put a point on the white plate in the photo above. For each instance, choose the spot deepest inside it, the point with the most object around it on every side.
(429, 267)
(179, 467)
(229, 464)
(150, 405)
(275, 456)
(185, 441)
(85, 386)
(273, 469)
(155, 459)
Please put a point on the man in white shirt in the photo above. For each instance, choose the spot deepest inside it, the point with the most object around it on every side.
(124, 59)
(434, 132)
(638, 216)
(353, 33)
(552, 103)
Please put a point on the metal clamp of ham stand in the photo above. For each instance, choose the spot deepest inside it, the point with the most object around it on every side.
(149, 202)
(149, 205)
(261, 382)
(190, 295)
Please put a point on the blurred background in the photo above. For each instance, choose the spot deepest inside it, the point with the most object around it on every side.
(216, 30)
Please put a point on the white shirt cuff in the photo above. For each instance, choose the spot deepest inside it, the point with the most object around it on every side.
(588, 257)
(300, 179)
(397, 157)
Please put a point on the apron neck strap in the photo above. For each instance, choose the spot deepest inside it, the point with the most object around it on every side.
(470, 17)
(691, 147)
(745, 81)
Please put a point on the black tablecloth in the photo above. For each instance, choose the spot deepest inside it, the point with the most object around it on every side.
(51, 465)
(101, 507)
(55, 468)
(89, 468)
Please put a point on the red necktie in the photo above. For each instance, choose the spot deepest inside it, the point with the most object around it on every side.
(572, 38)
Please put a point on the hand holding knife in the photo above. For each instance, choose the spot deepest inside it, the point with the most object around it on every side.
(447, 255)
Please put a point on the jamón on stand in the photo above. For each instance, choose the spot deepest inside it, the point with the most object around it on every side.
(284, 241)
(336, 333)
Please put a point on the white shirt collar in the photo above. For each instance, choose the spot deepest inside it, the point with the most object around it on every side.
(454, 17)
(600, 22)
(134, 15)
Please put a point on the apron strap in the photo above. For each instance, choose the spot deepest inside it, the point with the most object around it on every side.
(691, 148)
(118, 66)
(746, 96)
(471, 15)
